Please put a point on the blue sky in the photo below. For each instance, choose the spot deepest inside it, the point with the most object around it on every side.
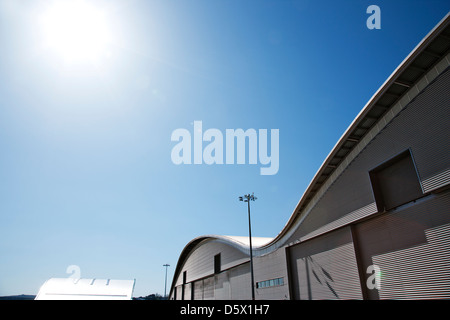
(86, 176)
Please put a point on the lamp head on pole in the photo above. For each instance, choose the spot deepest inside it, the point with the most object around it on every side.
(248, 197)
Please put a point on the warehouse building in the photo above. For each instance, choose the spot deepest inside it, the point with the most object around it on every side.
(374, 223)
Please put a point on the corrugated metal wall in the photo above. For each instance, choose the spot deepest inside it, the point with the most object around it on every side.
(272, 266)
(411, 246)
(229, 284)
(420, 272)
(325, 268)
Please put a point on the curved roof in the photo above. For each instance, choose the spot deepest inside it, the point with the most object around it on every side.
(240, 243)
(423, 60)
(86, 289)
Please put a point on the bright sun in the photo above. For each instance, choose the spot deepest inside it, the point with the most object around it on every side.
(76, 30)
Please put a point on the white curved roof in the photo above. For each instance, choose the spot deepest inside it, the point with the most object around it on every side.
(245, 241)
(239, 242)
(86, 289)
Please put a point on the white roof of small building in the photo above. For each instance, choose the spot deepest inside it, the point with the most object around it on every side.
(86, 289)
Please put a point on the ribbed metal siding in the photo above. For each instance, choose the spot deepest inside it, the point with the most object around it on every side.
(240, 282)
(222, 286)
(198, 290)
(325, 268)
(178, 292)
(411, 246)
(208, 288)
(230, 284)
(345, 220)
(421, 272)
(188, 291)
(433, 132)
(437, 181)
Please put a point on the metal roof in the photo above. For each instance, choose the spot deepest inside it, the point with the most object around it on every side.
(86, 289)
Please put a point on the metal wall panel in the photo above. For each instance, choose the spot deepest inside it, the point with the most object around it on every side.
(188, 291)
(272, 266)
(233, 284)
(208, 288)
(222, 286)
(198, 290)
(437, 181)
(178, 292)
(240, 282)
(411, 246)
(432, 138)
(325, 268)
(419, 272)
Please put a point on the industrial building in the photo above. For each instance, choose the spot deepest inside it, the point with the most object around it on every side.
(374, 223)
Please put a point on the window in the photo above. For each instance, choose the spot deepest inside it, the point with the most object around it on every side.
(217, 263)
(270, 283)
(395, 182)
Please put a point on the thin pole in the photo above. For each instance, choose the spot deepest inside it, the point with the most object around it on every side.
(165, 283)
(251, 250)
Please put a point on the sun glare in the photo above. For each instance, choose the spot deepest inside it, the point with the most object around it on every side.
(76, 30)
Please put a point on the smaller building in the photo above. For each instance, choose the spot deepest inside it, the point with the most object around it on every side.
(86, 289)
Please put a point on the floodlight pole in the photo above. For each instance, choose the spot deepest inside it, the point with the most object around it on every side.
(165, 283)
(249, 198)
